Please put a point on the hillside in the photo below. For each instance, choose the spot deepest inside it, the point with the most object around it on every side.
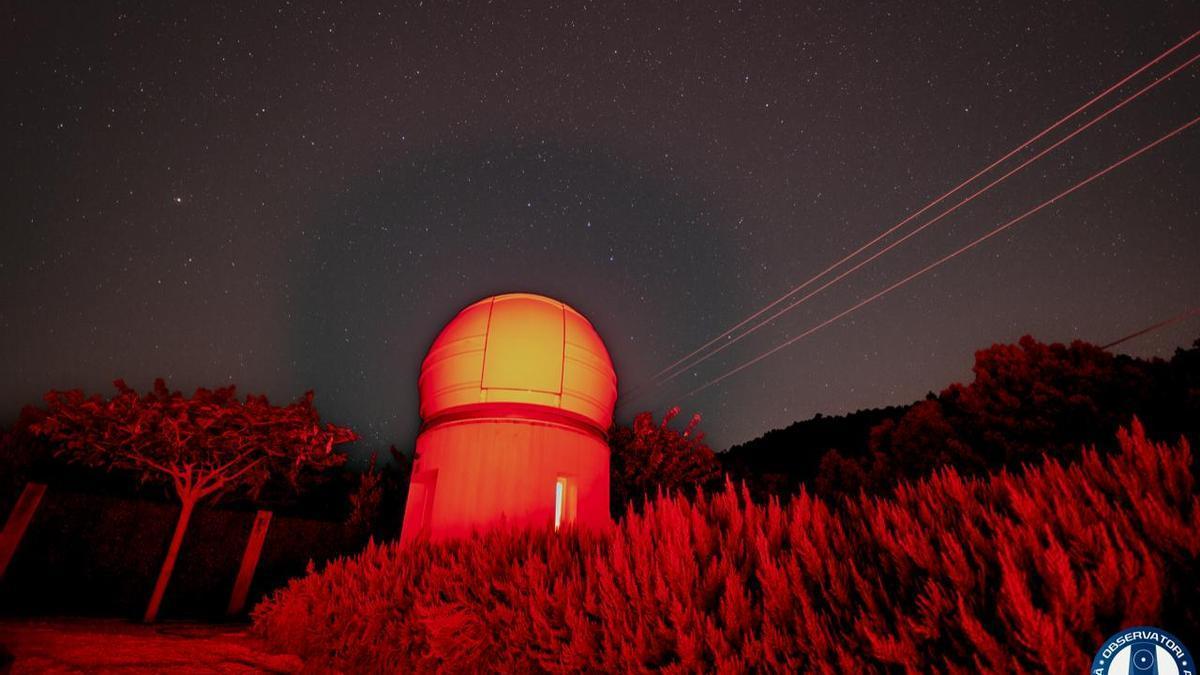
(1025, 401)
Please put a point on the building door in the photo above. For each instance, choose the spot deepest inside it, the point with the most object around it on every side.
(418, 508)
(566, 496)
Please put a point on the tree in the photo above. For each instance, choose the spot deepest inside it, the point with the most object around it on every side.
(21, 451)
(208, 445)
(649, 457)
(779, 461)
(366, 500)
(377, 501)
(1026, 401)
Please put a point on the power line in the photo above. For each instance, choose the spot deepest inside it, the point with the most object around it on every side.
(914, 215)
(1153, 327)
(956, 253)
(935, 219)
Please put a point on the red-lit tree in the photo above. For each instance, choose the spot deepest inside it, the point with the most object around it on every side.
(649, 457)
(1026, 401)
(207, 445)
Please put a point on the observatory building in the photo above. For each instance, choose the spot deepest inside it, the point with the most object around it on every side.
(517, 396)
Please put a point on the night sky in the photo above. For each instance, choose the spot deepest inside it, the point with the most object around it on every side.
(289, 197)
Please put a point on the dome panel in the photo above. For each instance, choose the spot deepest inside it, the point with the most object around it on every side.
(524, 346)
(453, 368)
(519, 349)
(589, 383)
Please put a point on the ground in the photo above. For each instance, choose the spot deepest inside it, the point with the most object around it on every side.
(114, 646)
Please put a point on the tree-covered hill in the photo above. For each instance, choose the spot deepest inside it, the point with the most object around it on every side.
(1025, 401)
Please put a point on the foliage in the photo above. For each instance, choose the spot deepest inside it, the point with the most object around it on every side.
(206, 444)
(1026, 401)
(377, 501)
(20, 452)
(648, 458)
(1012, 573)
(366, 499)
(777, 462)
(209, 444)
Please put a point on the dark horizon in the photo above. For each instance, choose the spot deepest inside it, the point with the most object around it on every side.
(293, 200)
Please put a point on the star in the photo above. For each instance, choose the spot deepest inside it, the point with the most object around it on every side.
(728, 163)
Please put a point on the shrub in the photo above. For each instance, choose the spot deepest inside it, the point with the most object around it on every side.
(649, 457)
(1010, 573)
(377, 501)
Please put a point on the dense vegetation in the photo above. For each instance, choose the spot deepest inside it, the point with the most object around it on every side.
(698, 568)
(1011, 573)
(648, 458)
(204, 445)
(1025, 401)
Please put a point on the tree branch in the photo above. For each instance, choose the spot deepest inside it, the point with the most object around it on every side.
(235, 460)
(141, 459)
(220, 482)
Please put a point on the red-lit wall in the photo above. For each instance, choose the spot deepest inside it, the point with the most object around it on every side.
(483, 473)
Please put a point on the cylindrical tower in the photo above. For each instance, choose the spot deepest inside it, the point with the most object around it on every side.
(517, 395)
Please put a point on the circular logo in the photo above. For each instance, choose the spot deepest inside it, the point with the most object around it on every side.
(1143, 650)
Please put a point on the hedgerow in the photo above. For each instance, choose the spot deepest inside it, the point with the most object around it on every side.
(1011, 573)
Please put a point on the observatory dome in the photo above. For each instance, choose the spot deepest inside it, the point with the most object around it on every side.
(518, 352)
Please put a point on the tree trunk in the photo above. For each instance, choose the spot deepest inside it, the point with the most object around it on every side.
(164, 575)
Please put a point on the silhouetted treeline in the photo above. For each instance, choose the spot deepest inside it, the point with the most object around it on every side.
(1025, 401)
(777, 461)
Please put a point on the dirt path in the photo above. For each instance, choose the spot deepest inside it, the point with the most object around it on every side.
(114, 646)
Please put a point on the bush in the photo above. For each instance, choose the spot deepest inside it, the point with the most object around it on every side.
(649, 458)
(1011, 573)
(377, 501)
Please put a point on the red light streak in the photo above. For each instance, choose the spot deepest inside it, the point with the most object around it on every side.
(656, 380)
(1195, 311)
(933, 220)
(950, 256)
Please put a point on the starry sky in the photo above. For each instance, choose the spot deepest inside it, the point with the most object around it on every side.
(292, 196)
